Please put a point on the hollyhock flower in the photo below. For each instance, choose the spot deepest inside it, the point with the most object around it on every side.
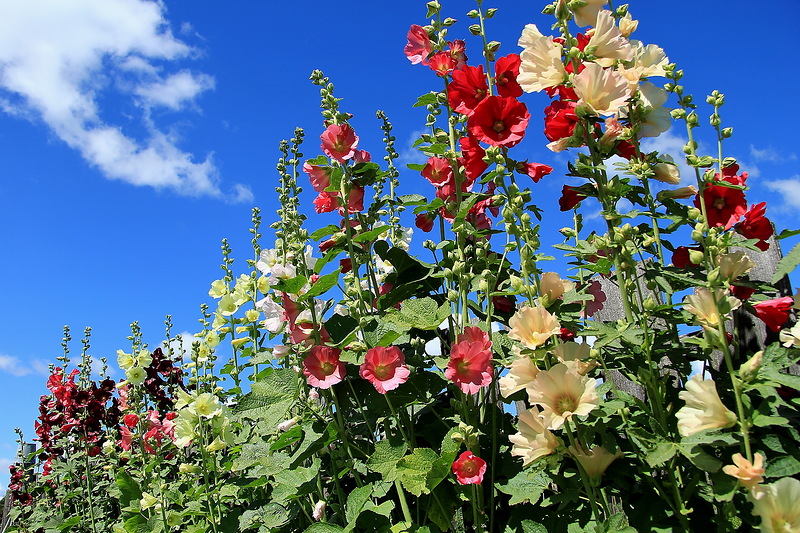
(362, 156)
(535, 170)
(754, 225)
(273, 314)
(703, 409)
(326, 202)
(681, 193)
(127, 438)
(627, 25)
(533, 326)
(385, 368)
(499, 121)
(206, 405)
(503, 304)
(734, 264)
(355, 201)
(534, 439)
(577, 354)
(791, 337)
(682, 256)
(666, 171)
(562, 392)
(596, 290)
(552, 287)
(470, 365)
(424, 221)
(457, 49)
(710, 308)
(506, 70)
(442, 63)
(649, 60)
(777, 506)
(130, 420)
(521, 374)
(570, 198)
(560, 120)
(724, 205)
(595, 461)
(601, 91)
(608, 42)
(467, 88)
(472, 161)
(749, 474)
(419, 45)
(657, 118)
(135, 375)
(774, 313)
(323, 368)
(124, 360)
(587, 14)
(469, 469)
(339, 142)
(541, 65)
(438, 171)
(319, 510)
(318, 175)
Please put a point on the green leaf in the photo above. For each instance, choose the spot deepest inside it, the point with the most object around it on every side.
(617, 523)
(700, 458)
(783, 466)
(324, 232)
(413, 470)
(270, 397)
(787, 264)
(411, 199)
(785, 234)
(385, 457)
(128, 487)
(426, 99)
(369, 236)
(356, 500)
(662, 453)
(321, 527)
(525, 487)
(322, 285)
(420, 313)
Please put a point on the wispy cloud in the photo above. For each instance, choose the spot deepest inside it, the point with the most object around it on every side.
(671, 144)
(57, 59)
(771, 155)
(789, 189)
(17, 367)
(408, 154)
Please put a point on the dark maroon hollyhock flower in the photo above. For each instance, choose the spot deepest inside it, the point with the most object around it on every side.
(503, 304)
(570, 197)
(681, 257)
(742, 293)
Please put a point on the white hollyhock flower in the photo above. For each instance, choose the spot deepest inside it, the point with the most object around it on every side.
(703, 409)
(541, 64)
(601, 91)
(607, 42)
(534, 440)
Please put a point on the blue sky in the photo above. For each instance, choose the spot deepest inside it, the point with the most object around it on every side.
(134, 136)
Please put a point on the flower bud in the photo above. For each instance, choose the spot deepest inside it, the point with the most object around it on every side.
(695, 256)
(749, 368)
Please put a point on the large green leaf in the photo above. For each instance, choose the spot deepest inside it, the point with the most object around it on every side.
(525, 487)
(385, 457)
(270, 397)
(787, 264)
(413, 470)
(420, 313)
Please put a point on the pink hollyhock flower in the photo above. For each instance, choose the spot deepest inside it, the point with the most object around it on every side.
(326, 202)
(774, 313)
(499, 121)
(469, 469)
(442, 63)
(570, 197)
(506, 70)
(355, 201)
(472, 161)
(470, 365)
(424, 221)
(385, 368)
(560, 120)
(419, 45)
(339, 142)
(438, 171)
(323, 368)
(319, 176)
(755, 225)
(535, 170)
(127, 438)
(467, 89)
(362, 156)
(724, 205)
(131, 420)
(458, 51)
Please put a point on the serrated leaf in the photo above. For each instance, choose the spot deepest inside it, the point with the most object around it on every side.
(413, 470)
(356, 500)
(787, 465)
(787, 264)
(320, 527)
(662, 453)
(525, 487)
(385, 457)
(270, 397)
(420, 313)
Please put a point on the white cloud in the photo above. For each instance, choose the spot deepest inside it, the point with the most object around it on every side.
(408, 154)
(789, 189)
(771, 155)
(58, 58)
(16, 367)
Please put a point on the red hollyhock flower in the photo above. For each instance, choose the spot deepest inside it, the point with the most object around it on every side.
(570, 197)
(326, 202)
(457, 49)
(626, 149)
(535, 170)
(563, 92)
(506, 70)
(775, 312)
(731, 175)
(724, 205)
(131, 420)
(346, 265)
(473, 162)
(385, 368)
(467, 89)
(438, 171)
(323, 368)
(559, 120)
(469, 469)
(755, 225)
(499, 121)
(470, 365)
(419, 45)
(742, 293)
(424, 221)
(442, 63)
(339, 142)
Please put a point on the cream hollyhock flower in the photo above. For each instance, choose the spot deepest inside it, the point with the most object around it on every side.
(734, 264)
(125, 360)
(523, 372)
(533, 326)
(587, 15)
(791, 337)
(143, 358)
(749, 474)
(541, 64)
(627, 25)
(227, 305)
(703, 304)
(601, 91)
(657, 118)
(534, 440)
(703, 409)
(681, 193)
(577, 354)
(218, 289)
(562, 393)
(606, 41)
(135, 375)
(552, 287)
(594, 462)
(647, 61)
(777, 505)
(147, 501)
(206, 405)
